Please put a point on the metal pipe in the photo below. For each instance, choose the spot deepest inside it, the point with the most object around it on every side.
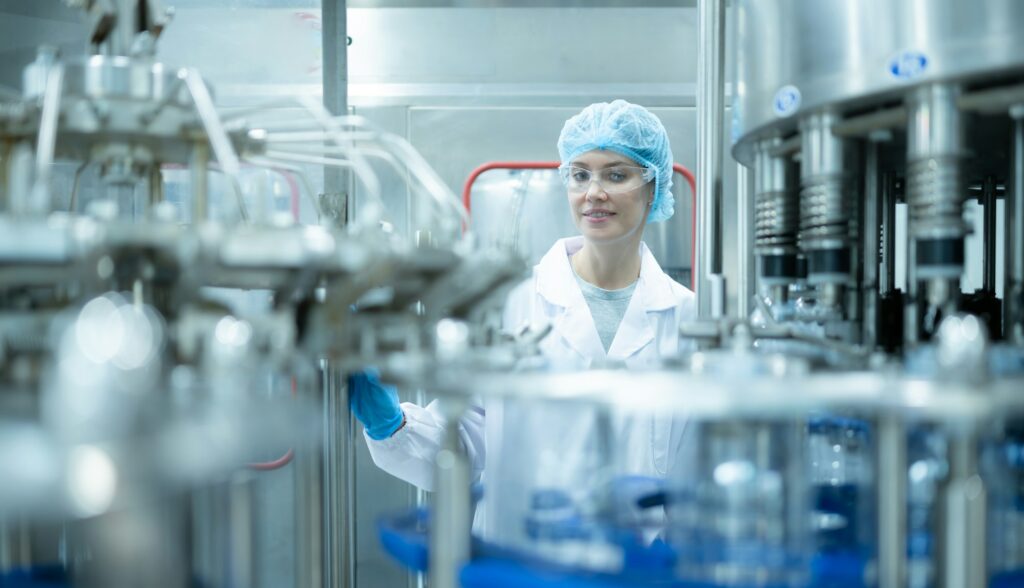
(887, 257)
(1014, 236)
(218, 137)
(309, 504)
(870, 245)
(339, 563)
(46, 146)
(199, 172)
(451, 515)
(710, 100)
(334, 41)
(744, 240)
(961, 554)
(891, 457)
(988, 203)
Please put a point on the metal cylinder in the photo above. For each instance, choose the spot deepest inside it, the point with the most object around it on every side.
(451, 510)
(826, 202)
(777, 210)
(776, 218)
(710, 100)
(1014, 231)
(935, 195)
(962, 555)
(892, 500)
(934, 150)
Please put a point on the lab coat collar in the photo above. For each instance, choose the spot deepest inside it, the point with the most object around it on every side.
(556, 283)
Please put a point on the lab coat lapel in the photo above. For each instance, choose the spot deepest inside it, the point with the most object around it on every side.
(577, 327)
(653, 294)
(635, 330)
(557, 284)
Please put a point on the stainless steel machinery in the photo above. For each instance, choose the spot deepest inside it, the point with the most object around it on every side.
(135, 398)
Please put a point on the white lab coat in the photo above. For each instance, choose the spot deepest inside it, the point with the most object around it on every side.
(560, 443)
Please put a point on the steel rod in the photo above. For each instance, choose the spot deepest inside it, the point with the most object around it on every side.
(1014, 250)
(710, 100)
(451, 514)
(892, 498)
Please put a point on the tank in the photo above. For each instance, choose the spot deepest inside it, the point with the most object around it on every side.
(798, 56)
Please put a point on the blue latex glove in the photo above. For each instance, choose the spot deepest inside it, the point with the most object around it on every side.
(374, 404)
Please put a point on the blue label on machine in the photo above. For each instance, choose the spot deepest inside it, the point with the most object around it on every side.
(908, 65)
(787, 101)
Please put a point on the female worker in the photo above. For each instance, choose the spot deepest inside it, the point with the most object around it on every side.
(603, 293)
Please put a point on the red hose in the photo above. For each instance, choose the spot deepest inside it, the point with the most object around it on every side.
(467, 189)
(276, 464)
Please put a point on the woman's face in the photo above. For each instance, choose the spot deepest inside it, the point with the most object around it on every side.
(602, 217)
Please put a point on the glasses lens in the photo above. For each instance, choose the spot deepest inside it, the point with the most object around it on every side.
(613, 180)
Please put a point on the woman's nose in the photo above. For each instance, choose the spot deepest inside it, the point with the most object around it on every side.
(596, 192)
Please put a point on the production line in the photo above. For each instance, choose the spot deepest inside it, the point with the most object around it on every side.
(850, 416)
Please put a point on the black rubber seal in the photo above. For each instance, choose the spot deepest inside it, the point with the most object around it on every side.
(778, 266)
(828, 261)
(941, 252)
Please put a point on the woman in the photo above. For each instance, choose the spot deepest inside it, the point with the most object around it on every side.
(603, 293)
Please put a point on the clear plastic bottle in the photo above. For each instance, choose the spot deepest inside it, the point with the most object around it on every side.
(840, 475)
(748, 492)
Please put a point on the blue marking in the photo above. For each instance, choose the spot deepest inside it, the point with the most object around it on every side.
(908, 65)
(787, 101)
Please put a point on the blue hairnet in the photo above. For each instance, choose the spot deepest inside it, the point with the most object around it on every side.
(629, 130)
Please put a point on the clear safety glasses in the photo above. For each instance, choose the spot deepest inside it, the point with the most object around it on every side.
(612, 180)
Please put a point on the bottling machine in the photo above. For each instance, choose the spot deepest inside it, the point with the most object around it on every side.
(854, 421)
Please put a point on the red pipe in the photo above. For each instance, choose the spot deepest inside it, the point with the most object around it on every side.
(467, 189)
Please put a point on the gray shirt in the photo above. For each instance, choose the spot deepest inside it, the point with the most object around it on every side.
(607, 307)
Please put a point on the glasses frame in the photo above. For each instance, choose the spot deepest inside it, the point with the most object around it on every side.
(565, 172)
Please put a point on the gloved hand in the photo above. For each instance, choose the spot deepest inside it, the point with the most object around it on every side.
(375, 405)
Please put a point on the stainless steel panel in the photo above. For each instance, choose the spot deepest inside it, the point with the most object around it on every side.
(419, 56)
(858, 53)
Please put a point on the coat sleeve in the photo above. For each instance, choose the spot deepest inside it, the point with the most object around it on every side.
(409, 453)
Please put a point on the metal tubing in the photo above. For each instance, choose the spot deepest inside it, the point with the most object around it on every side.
(710, 100)
(218, 136)
(988, 202)
(961, 555)
(310, 512)
(47, 143)
(199, 171)
(745, 240)
(241, 516)
(891, 458)
(451, 516)
(887, 257)
(870, 245)
(334, 40)
(1014, 235)
(339, 563)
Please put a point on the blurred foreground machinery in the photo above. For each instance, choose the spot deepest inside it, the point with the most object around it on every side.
(134, 395)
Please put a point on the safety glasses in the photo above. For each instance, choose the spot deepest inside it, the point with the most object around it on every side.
(618, 179)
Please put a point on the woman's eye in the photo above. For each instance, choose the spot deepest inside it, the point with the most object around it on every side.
(617, 176)
(580, 176)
